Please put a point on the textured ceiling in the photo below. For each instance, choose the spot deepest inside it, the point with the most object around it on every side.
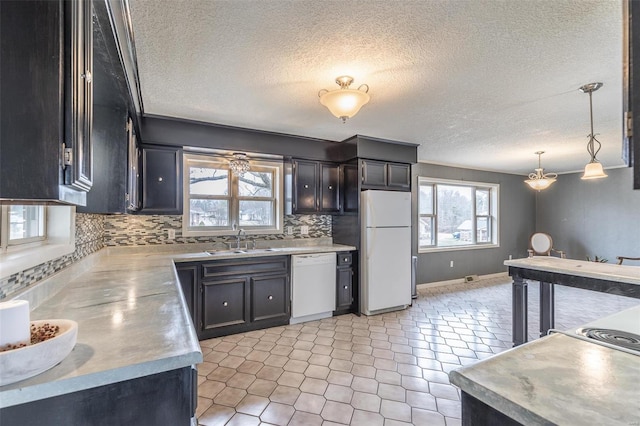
(481, 84)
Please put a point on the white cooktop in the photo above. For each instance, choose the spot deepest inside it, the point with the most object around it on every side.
(627, 320)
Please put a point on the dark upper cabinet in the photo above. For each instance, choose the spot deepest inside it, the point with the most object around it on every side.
(349, 187)
(305, 186)
(384, 175)
(46, 100)
(316, 187)
(631, 88)
(329, 187)
(78, 69)
(161, 180)
(399, 176)
(374, 174)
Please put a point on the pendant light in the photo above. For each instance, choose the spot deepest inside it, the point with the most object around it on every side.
(593, 170)
(539, 180)
(239, 164)
(344, 102)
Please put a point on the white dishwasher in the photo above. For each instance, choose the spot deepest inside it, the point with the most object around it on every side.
(313, 286)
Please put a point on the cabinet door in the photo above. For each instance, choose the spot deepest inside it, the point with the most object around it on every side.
(269, 297)
(345, 288)
(329, 187)
(161, 180)
(374, 174)
(305, 187)
(224, 302)
(188, 276)
(399, 176)
(350, 189)
(79, 93)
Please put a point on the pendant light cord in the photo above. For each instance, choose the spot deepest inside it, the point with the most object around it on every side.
(590, 145)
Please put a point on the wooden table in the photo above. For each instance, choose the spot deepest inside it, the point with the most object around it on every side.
(606, 278)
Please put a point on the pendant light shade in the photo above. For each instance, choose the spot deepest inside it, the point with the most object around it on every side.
(539, 180)
(593, 170)
(344, 103)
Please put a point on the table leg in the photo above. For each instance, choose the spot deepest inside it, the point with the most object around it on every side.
(547, 314)
(519, 311)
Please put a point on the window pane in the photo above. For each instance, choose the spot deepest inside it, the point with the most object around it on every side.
(426, 231)
(208, 212)
(26, 222)
(208, 181)
(256, 213)
(482, 227)
(425, 199)
(455, 220)
(482, 202)
(256, 184)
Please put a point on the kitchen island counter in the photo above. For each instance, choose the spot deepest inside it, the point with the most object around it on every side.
(555, 380)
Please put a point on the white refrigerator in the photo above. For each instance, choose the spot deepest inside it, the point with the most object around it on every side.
(385, 251)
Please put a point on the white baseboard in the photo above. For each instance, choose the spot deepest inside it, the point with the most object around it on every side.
(460, 280)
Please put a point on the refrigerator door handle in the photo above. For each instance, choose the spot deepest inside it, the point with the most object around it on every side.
(371, 242)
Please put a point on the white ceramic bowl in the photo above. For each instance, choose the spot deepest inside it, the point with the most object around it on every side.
(22, 363)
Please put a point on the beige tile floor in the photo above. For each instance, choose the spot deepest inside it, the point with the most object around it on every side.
(388, 369)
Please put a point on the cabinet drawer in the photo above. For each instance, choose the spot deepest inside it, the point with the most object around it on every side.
(344, 259)
(223, 268)
(224, 303)
(269, 297)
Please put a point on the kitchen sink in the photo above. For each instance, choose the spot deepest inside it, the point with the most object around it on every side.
(239, 251)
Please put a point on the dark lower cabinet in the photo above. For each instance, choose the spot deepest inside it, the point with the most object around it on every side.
(270, 297)
(224, 302)
(236, 295)
(477, 413)
(162, 399)
(344, 281)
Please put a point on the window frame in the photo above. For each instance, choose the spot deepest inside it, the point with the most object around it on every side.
(234, 198)
(6, 243)
(492, 215)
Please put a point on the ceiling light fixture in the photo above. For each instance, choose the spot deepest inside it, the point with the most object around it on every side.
(593, 170)
(344, 102)
(239, 165)
(539, 180)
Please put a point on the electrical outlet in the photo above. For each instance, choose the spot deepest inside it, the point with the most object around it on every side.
(289, 230)
(451, 264)
(171, 234)
(304, 230)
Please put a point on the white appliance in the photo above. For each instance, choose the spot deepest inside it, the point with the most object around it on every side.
(385, 257)
(313, 286)
(619, 331)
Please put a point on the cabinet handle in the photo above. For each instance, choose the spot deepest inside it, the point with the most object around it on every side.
(270, 297)
(346, 287)
(330, 187)
(87, 76)
(306, 186)
(225, 304)
(160, 179)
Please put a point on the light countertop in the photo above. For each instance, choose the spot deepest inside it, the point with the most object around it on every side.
(132, 318)
(581, 268)
(558, 380)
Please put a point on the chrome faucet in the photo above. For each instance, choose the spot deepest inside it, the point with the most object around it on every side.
(241, 233)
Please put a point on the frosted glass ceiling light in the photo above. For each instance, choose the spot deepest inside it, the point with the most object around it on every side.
(539, 180)
(344, 102)
(239, 165)
(593, 170)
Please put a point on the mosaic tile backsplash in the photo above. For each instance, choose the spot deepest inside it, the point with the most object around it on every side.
(95, 231)
(89, 239)
(127, 230)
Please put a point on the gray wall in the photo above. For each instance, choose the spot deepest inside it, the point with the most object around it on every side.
(517, 223)
(599, 217)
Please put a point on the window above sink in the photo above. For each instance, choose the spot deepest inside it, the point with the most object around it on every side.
(218, 201)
